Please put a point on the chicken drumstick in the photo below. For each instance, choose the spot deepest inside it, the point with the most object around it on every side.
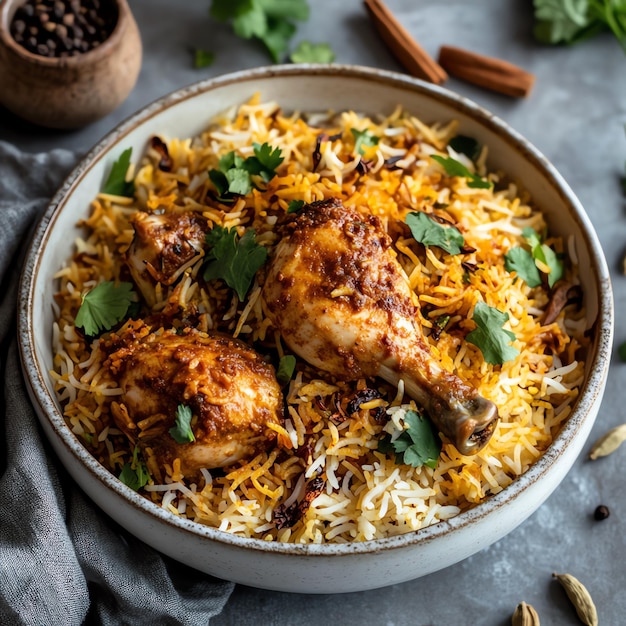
(341, 301)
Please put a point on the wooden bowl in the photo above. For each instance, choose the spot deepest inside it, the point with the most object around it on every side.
(73, 91)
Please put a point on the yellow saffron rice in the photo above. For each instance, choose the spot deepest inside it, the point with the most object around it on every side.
(365, 494)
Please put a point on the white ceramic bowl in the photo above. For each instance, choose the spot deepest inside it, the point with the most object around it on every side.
(313, 568)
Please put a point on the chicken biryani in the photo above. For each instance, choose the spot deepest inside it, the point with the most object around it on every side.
(317, 327)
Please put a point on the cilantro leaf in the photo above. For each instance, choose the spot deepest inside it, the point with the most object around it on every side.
(621, 351)
(135, 474)
(234, 173)
(203, 58)
(521, 261)
(416, 446)
(116, 184)
(571, 21)
(363, 139)
(181, 431)
(239, 181)
(308, 52)
(456, 168)
(489, 336)
(286, 368)
(277, 37)
(545, 254)
(295, 206)
(466, 145)
(428, 232)
(234, 260)
(269, 21)
(288, 9)
(264, 162)
(104, 306)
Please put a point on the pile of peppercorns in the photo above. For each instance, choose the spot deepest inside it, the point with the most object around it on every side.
(63, 28)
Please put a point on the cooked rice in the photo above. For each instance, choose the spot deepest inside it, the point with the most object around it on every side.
(366, 495)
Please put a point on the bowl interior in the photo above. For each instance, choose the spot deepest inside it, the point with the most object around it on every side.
(300, 88)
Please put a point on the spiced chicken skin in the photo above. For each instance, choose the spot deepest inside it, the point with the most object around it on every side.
(338, 296)
(162, 246)
(231, 391)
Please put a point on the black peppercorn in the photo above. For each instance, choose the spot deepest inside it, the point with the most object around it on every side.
(53, 28)
(601, 512)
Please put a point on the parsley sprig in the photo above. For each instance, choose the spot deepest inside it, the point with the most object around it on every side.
(104, 306)
(233, 259)
(490, 336)
(181, 432)
(234, 173)
(430, 233)
(417, 445)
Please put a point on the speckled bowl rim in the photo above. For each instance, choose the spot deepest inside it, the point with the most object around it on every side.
(598, 367)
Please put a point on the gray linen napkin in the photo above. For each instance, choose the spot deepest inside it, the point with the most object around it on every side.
(62, 560)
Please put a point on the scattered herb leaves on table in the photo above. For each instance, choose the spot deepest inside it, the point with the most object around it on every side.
(203, 58)
(308, 52)
(269, 21)
(571, 21)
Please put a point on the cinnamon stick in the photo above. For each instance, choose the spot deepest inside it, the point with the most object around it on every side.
(402, 45)
(489, 72)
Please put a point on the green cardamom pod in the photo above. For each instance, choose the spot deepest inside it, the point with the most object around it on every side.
(580, 598)
(524, 615)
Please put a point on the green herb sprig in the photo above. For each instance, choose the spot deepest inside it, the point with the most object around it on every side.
(572, 21)
(308, 52)
(428, 232)
(416, 446)
(116, 183)
(269, 21)
(545, 254)
(490, 336)
(135, 473)
(286, 368)
(181, 432)
(456, 168)
(363, 139)
(234, 173)
(104, 306)
(233, 259)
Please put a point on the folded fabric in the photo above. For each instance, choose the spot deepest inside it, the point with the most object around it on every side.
(62, 560)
